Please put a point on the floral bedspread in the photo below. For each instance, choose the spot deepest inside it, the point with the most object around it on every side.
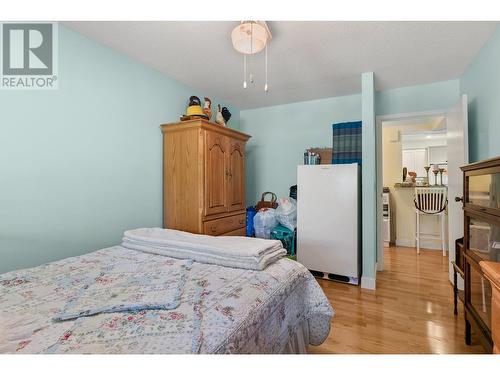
(222, 309)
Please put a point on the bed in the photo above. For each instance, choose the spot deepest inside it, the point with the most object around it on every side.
(211, 308)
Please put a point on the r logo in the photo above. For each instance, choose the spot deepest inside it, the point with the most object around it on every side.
(27, 49)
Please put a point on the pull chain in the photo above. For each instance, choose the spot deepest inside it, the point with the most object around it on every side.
(265, 86)
(251, 48)
(244, 71)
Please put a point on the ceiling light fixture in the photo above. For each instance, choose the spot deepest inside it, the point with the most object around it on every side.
(249, 38)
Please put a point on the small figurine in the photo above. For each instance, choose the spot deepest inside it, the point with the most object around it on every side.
(226, 114)
(207, 108)
(194, 100)
(194, 109)
(219, 119)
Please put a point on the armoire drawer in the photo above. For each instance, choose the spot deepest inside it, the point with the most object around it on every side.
(224, 225)
(238, 232)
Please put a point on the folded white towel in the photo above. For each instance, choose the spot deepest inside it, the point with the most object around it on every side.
(251, 263)
(230, 245)
(229, 251)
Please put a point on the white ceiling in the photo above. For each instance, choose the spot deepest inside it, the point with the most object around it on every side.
(307, 60)
(436, 123)
(423, 135)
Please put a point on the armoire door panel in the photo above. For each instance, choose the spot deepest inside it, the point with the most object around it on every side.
(236, 177)
(216, 171)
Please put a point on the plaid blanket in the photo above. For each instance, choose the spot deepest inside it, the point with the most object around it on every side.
(347, 143)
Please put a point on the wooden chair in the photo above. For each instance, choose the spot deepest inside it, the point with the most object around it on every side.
(430, 201)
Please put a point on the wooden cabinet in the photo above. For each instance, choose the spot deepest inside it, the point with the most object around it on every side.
(481, 244)
(492, 273)
(204, 178)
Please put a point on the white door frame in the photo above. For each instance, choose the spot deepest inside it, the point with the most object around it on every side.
(378, 150)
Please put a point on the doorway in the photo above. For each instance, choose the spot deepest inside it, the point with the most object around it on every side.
(449, 124)
(414, 154)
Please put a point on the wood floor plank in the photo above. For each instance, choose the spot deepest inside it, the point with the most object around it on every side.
(410, 312)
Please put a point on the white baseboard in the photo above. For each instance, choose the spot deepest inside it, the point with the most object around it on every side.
(368, 282)
(424, 244)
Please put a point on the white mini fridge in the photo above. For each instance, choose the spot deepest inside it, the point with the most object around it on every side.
(328, 220)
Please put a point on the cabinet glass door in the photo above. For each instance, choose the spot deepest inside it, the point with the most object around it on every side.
(484, 239)
(484, 190)
(480, 295)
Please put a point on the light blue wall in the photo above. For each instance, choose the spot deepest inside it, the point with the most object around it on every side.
(426, 97)
(369, 181)
(281, 134)
(481, 83)
(81, 164)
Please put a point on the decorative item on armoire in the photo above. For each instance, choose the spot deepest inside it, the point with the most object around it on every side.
(194, 109)
(219, 119)
(226, 115)
(207, 108)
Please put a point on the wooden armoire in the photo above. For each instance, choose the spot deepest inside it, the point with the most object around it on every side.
(204, 178)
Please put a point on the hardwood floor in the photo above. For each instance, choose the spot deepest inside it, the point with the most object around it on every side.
(410, 312)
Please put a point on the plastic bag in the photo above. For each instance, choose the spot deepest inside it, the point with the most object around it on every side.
(264, 221)
(286, 213)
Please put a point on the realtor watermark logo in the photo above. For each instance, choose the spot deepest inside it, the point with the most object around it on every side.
(29, 55)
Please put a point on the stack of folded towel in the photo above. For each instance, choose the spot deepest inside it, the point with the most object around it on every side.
(228, 251)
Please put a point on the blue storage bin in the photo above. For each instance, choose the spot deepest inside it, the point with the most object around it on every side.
(250, 214)
(286, 236)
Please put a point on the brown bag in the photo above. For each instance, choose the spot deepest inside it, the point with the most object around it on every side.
(267, 204)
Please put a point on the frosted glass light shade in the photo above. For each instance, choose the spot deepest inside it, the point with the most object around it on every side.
(249, 38)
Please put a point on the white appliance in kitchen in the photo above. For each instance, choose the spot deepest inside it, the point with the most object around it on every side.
(328, 220)
(386, 212)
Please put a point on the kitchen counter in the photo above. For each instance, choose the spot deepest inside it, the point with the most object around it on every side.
(404, 218)
(401, 186)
